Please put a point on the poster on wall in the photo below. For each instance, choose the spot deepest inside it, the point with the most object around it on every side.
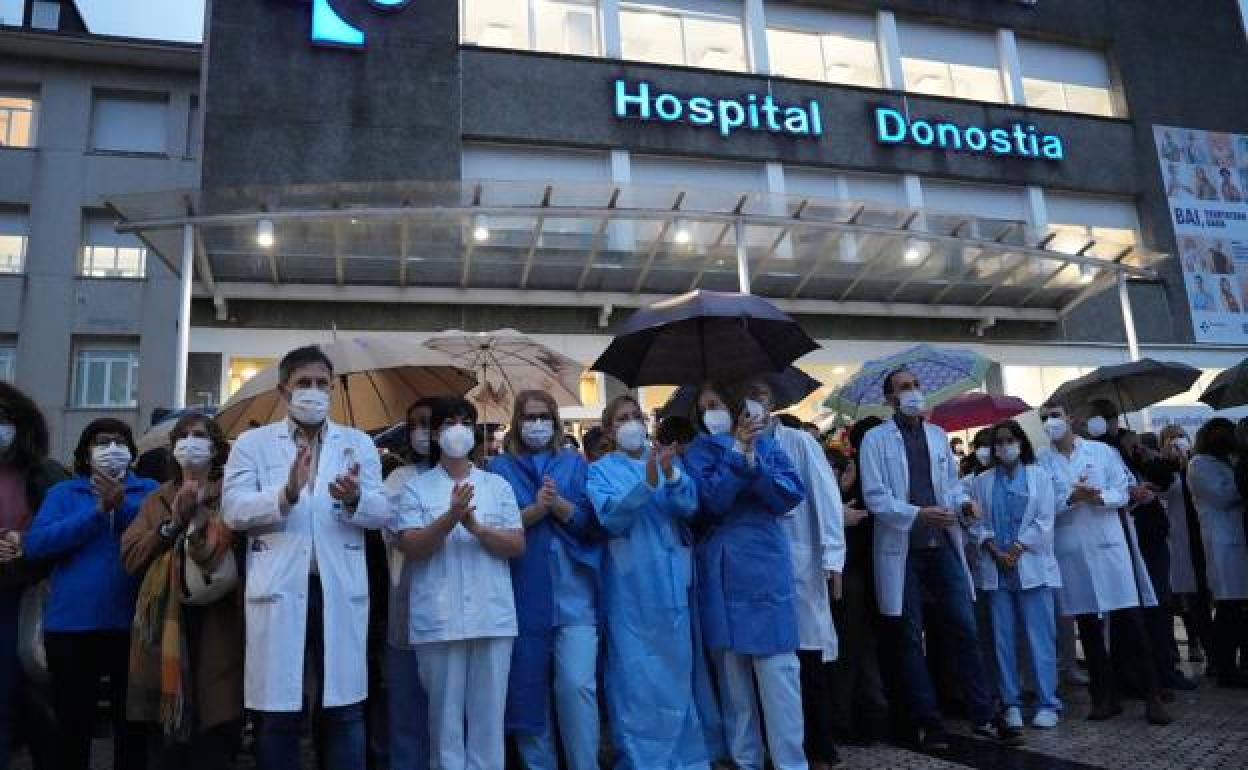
(1205, 174)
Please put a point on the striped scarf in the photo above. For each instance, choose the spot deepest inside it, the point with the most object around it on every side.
(159, 666)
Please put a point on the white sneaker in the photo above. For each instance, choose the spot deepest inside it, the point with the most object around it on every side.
(1046, 719)
(1014, 718)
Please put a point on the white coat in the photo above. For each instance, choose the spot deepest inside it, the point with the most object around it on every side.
(279, 553)
(1182, 571)
(1037, 566)
(1221, 512)
(886, 489)
(1099, 572)
(816, 530)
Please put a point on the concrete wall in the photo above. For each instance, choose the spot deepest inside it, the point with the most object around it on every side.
(56, 181)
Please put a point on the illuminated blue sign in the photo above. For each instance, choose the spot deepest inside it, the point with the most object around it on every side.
(329, 28)
(750, 112)
(1021, 140)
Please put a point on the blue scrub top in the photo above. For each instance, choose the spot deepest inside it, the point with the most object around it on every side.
(1009, 504)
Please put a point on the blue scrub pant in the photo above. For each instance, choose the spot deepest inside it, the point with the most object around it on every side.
(939, 571)
(1034, 609)
(466, 682)
(576, 699)
(779, 688)
(408, 711)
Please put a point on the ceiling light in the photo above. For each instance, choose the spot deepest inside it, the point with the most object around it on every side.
(682, 234)
(264, 233)
(916, 251)
(480, 229)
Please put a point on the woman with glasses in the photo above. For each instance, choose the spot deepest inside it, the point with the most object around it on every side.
(1017, 569)
(556, 589)
(198, 712)
(91, 605)
(459, 526)
(658, 696)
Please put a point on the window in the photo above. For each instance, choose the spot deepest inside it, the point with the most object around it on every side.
(1064, 77)
(559, 26)
(243, 369)
(194, 135)
(129, 122)
(823, 45)
(944, 61)
(1110, 225)
(17, 118)
(106, 378)
(45, 15)
(13, 236)
(990, 211)
(107, 253)
(704, 34)
(8, 363)
(11, 12)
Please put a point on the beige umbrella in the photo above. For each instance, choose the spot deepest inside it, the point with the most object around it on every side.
(376, 380)
(507, 362)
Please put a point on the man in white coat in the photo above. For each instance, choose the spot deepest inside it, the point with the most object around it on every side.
(1102, 570)
(816, 531)
(910, 485)
(303, 489)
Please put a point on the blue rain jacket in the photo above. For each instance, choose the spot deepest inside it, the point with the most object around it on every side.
(90, 589)
(556, 581)
(746, 589)
(663, 714)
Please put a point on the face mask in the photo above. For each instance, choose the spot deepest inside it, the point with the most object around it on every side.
(1008, 453)
(309, 406)
(1056, 427)
(111, 460)
(537, 433)
(911, 403)
(419, 440)
(754, 410)
(717, 421)
(8, 432)
(1181, 444)
(631, 435)
(1097, 427)
(193, 453)
(456, 441)
(984, 455)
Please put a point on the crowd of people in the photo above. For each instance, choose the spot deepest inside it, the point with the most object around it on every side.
(720, 588)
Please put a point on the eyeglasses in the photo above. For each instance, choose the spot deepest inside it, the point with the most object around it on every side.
(547, 416)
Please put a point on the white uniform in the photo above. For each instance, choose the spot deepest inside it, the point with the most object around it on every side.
(1182, 571)
(1099, 572)
(1221, 512)
(1037, 566)
(816, 529)
(279, 557)
(462, 620)
(886, 487)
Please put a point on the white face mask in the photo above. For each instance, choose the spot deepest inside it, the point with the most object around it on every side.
(717, 421)
(755, 410)
(911, 402)
(8, 433)
(309, 406)
(1182, 444)
(631, 435)
(1097, 427)
(456, 441)
(111, 460)
(537, 434)
(193, 453)
(1008, 453)
(1056, 427)
(420, 441)
(984, 455)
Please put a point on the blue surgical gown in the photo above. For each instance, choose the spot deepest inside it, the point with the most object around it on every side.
(662, 711)
(556, 581)
(746, 588)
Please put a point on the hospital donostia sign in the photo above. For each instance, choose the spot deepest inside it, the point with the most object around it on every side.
(761, 112)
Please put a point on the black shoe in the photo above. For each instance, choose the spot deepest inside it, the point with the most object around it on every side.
(998, 730)
(934, 739)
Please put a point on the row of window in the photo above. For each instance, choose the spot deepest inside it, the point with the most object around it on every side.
(128, 122)
(103, 378)
(806, 43)
(105, 252)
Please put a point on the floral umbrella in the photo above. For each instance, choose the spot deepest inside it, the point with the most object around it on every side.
(942, 372)
(506, 363)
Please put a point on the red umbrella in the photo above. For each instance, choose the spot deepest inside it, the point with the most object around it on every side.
(971, 410)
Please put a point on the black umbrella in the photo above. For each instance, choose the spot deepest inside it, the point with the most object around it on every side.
(1133, 386)
(787, 388)
(1228, 389)
(703, 336)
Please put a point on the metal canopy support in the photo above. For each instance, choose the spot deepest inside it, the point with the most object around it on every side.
(187, 278)
(1133, 342)
(340, 268)
(743, 257)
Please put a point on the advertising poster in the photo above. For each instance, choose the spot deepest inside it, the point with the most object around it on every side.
(1205, 174)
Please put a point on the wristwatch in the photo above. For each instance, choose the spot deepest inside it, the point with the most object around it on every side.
(169, 530)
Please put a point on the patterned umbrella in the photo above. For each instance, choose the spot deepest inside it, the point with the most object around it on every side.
(942, 372)
(506, 362)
